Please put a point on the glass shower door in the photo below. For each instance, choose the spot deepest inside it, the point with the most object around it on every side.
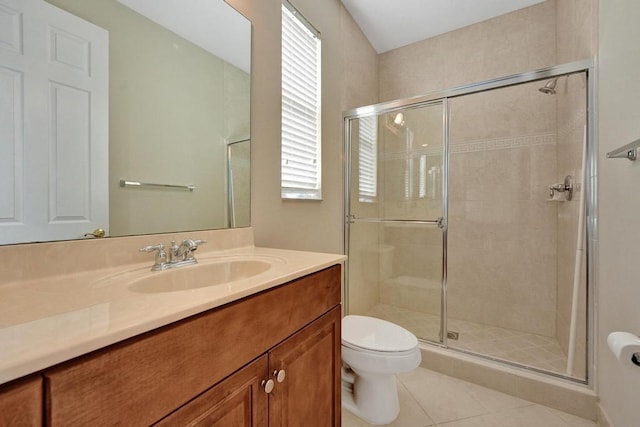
(396, 210)
(516, 292)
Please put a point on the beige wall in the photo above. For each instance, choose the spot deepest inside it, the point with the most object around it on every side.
(368, 262)
(349, 78)
(619, 204)
(519, 41)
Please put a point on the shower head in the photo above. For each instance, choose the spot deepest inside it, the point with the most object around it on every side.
(550, 87)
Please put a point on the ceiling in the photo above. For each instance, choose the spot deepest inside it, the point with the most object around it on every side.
(389, 24)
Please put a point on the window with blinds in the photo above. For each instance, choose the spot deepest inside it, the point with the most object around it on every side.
(368, 159)
(301, 166)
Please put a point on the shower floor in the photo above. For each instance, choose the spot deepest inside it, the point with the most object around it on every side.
(505, 344)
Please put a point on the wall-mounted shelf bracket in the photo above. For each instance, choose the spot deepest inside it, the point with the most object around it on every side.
(629, 151)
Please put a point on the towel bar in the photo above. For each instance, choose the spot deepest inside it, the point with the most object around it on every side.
(125, 183)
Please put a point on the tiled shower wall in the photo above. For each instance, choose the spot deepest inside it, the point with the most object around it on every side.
(513, 43)
(571, 133)
(577, 38)
(507, 137)
(512, 152)
(502, 229)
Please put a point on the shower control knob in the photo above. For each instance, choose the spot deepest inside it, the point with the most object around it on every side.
(267, 385)
(280, 375)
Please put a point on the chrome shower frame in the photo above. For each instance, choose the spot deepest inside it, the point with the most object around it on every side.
(590, 190)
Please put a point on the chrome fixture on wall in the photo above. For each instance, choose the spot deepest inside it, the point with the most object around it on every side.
(628, 151)
(550, 87)
(565, 188)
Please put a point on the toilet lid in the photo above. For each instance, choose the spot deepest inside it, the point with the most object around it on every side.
(376, 334)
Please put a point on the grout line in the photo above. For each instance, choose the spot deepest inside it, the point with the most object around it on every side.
(415, 400)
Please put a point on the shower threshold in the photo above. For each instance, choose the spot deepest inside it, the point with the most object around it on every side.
(522, 348)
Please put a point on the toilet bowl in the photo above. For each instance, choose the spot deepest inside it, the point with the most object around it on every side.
(373, 351)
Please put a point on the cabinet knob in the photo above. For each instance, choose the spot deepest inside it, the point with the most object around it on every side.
(267, 385)
(280, 375)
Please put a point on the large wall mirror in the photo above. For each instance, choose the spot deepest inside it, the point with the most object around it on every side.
(126, 115)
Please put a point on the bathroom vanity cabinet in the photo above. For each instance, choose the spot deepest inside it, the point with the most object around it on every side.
(21, 402)
(306, 395)
(215, 368)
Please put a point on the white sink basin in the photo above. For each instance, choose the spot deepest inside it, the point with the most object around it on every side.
(198, 276)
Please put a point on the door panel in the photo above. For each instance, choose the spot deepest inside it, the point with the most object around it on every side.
(311, 360)
(397, 217)
(69, 196)
(12, 146)
(395, 274)
(396, 164)
(238, 401)
(54, 125)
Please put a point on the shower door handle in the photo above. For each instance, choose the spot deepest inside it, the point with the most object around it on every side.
(440, 222)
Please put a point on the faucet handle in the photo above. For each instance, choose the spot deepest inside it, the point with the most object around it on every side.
(199, 242)
(159, 247)
(161, 256)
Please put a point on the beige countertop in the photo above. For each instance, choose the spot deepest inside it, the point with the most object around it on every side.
(48, 320)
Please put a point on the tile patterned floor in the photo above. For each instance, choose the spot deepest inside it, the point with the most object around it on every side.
(506, 344)
(428, 398)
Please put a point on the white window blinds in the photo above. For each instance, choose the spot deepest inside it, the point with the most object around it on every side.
(301, 167)
(368, 159)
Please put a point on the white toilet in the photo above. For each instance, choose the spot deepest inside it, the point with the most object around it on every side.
(373, 351)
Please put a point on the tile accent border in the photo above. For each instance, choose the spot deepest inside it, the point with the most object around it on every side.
(460, 147)
(503, 143)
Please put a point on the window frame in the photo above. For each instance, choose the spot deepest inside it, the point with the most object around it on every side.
(301, 124)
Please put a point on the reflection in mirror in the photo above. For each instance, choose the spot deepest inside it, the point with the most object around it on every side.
(111, 90)
(238, 180)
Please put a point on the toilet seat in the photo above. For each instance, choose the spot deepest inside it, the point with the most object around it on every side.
(372, 335)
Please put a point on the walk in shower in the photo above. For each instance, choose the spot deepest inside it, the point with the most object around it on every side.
(470, 218)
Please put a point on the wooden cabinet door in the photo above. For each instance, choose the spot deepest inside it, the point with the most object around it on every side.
(238, 401)
(309, 395)
(21, 403)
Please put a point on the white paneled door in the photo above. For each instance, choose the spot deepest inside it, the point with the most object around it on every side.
(53, 123)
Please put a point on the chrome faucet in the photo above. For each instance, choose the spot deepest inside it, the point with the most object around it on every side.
(184, 251)
(179, 255)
